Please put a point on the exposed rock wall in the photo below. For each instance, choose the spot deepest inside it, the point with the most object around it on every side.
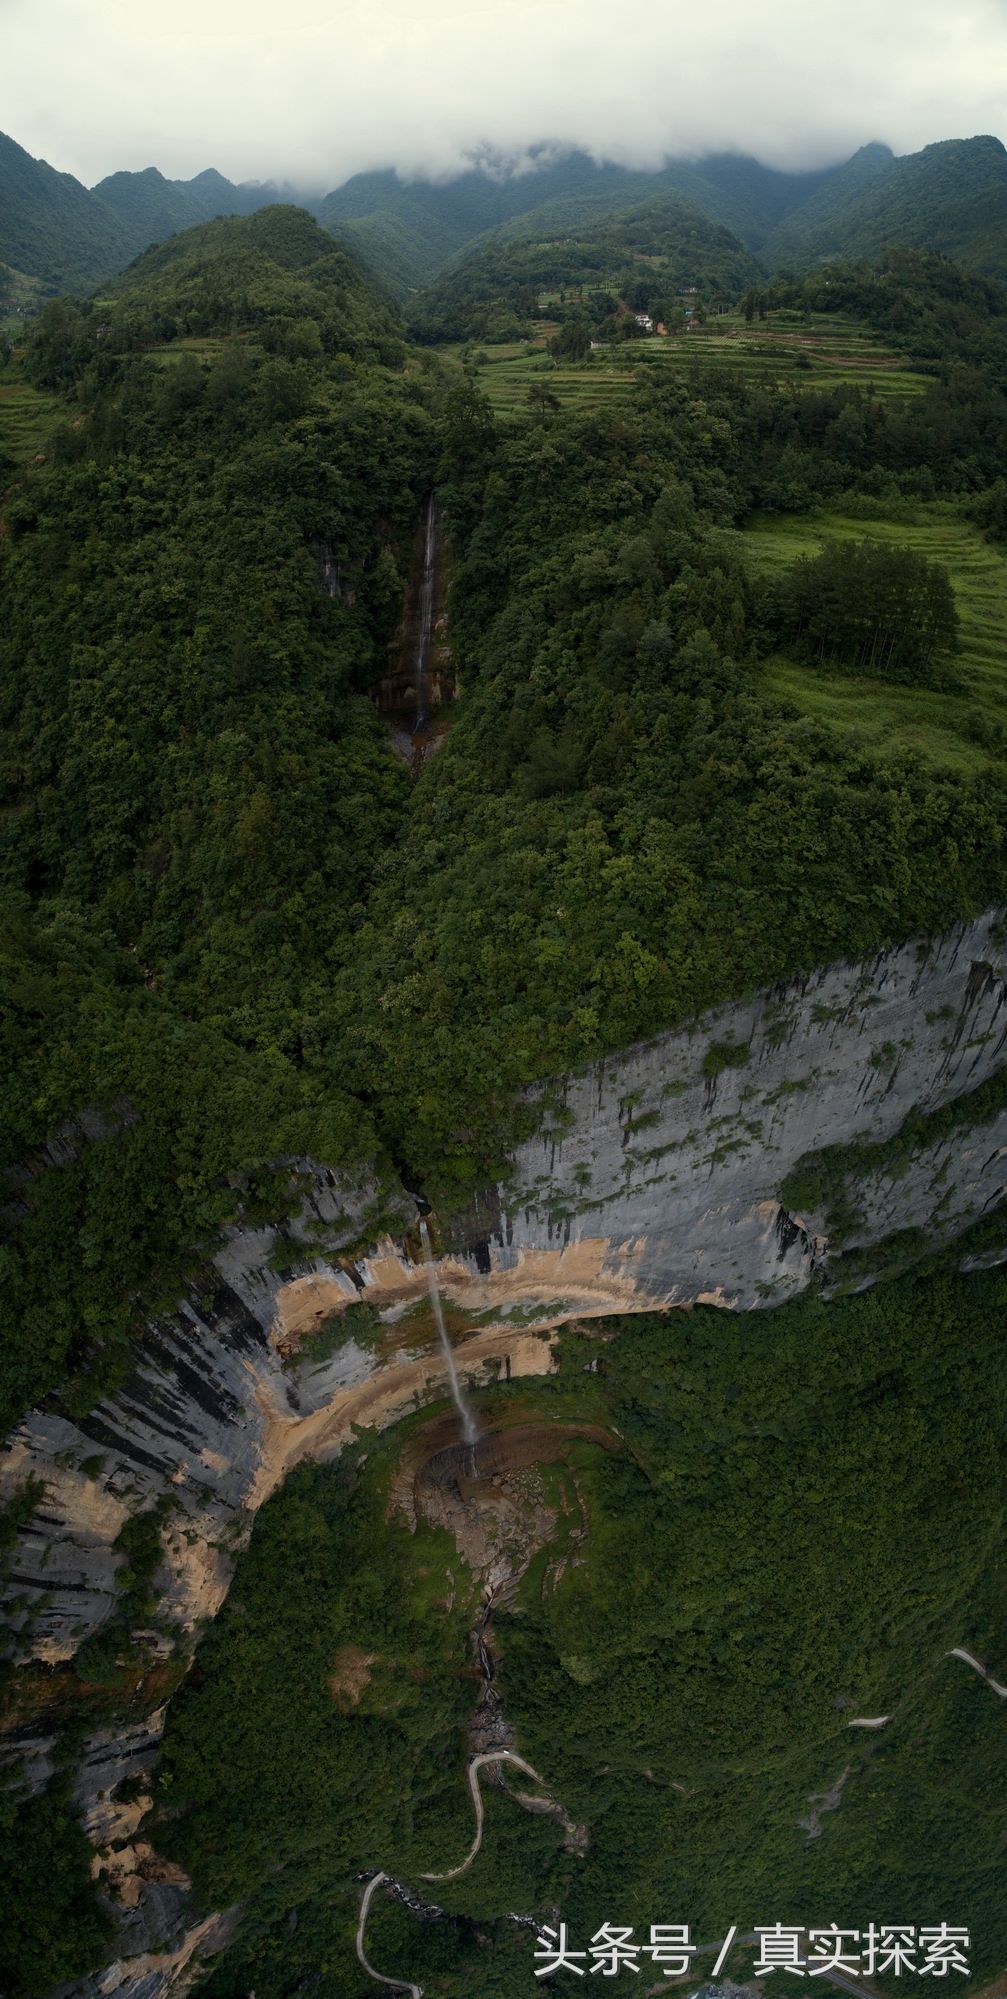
(678, 1170)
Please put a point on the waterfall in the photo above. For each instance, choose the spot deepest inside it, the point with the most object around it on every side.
(426, 615)
(470, 1429)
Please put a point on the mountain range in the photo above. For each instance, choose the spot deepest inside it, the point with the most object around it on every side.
(951, 197)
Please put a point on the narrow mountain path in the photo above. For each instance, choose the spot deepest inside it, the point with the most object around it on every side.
(476, 1764)
(958, 1652)
(397, 1984)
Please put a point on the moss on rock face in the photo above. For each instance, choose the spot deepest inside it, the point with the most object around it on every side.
(724, 1055)
(829, 1183)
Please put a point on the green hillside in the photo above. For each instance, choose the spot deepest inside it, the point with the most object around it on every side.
(151, 208)
(951, 730)
(56, 230)
(557, 260)
(674, 1683)
(52, 228)
(195, 782)
(67, 238)
(242, 271)
(951, 198)
(240, 930)
(409, 230)
(818, 350)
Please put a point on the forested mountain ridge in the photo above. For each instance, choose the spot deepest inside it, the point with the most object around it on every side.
(72, 238)
(242, 271)
(950, 198)
(570, 250)
(410, 229)
(151, 208)
(52, 228)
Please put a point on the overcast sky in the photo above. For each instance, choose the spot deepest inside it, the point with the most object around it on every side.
(309, 92)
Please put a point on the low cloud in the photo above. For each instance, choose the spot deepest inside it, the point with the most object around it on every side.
(311, 93)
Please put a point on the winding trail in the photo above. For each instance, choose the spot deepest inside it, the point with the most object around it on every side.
(956, 1652)
(959, 1652)
(397, 1984)
(476, 1764)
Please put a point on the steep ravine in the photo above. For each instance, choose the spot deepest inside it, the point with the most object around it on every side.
(654, 1182)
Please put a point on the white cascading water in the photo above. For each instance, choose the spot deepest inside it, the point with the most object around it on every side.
(470, 1428)
(426, 615)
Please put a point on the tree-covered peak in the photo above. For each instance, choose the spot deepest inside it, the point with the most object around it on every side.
(243, 270)
(288, 236)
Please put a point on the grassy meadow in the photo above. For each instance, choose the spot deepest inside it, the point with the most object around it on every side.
(952, 730)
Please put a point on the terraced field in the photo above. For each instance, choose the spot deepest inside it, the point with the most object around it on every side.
(203, 345)
(27, 417)
(961, 731)
(824, 352)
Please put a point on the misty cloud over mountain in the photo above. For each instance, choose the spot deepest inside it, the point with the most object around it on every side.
(324, 91)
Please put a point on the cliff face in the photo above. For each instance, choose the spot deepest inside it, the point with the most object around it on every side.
(674, 1155)
(656, 1176)
(655, 1181)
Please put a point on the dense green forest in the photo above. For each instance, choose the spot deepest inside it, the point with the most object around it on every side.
(51, 227)
(773, 1549)
(197, 788)
(67, 236)
(151, 208)
(410, 230)
(70, 238)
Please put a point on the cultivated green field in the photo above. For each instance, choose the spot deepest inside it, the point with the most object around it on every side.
(27, 416)
(956, 731)
(204, 345)
(820, 351)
